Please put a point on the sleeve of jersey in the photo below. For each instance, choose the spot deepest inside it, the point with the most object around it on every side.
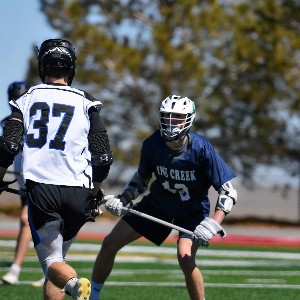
(92, 103)
(146, 167)
(216, 169)
(99, 147)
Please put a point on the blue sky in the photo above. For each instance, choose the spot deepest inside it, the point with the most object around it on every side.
(23, 25)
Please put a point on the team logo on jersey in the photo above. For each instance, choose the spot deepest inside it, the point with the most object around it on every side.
(182, 175)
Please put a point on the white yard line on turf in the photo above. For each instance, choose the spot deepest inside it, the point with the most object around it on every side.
(89, 247)
(181, 284)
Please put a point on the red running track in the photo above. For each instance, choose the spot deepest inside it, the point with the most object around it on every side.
(233, 239)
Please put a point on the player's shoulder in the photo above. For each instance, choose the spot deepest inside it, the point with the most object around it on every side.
(197, 137)
(155, 137)
(86, 95)
(199, 140)
(91, 101)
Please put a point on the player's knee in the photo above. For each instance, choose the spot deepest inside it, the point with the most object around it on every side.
(186, 263)
(48, 264)
(24, 221)
(111, 244)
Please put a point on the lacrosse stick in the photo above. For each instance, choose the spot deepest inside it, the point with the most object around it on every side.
(162, 222)
(16, 192)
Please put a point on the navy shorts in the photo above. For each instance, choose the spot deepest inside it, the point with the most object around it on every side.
(23, 198)
(48, 202)
(156, 232)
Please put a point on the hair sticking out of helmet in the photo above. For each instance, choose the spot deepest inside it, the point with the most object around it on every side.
(17, 89)
(56, 58)
(176, 117)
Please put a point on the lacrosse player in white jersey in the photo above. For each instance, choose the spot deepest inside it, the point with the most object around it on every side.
(66, 156)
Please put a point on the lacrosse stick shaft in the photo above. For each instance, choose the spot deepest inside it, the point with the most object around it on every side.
(145, 216)
(16, 192)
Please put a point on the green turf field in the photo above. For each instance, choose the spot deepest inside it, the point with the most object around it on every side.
(146, 272)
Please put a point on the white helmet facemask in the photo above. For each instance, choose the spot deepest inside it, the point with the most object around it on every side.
(177, 115)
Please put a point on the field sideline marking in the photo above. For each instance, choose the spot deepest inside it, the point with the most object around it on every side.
(177, 272)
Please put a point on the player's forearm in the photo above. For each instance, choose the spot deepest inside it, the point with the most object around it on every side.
(96, 188)
(219, 216)
(2, 173)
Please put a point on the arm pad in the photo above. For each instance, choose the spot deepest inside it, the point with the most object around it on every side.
(136, 186)
(9, 147)
(227, 198)
(98, 142)
(104, 159)
(10, 142)
(101, 155)
(101, 166)
(13, 133)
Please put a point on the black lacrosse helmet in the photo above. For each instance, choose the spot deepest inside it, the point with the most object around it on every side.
(56, 58)
(17, 89)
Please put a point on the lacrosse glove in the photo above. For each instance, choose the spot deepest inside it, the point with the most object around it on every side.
(114, 205)
(93, 209)
(206, 230)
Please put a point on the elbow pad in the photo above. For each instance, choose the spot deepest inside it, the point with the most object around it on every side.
(98, 143)
(227, 198)
(12, 136)
(104, 159)
(136, 186)
(101, 166)
(10, 142)
(9, 147)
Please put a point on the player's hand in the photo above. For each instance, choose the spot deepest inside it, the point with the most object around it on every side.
(93, 209)
(206, 230)
(114, 205)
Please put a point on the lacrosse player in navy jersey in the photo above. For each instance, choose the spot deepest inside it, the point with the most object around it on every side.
(185, 166)
(66, 156)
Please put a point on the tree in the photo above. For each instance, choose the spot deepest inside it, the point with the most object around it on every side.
(239, 61)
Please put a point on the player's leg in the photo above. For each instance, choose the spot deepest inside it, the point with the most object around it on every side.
(51, 291)
(53, 239)
(24, 237)
(121, 235)
(186, 252)
(58, 274)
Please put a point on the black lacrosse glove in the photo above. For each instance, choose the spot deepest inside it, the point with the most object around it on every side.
(93, 209)
(5, 184)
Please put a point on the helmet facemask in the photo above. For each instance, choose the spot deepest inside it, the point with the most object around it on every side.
(177, 115)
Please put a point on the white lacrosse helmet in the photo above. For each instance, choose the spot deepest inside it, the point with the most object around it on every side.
(176, 117)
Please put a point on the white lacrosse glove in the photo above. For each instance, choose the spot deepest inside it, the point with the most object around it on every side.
(206, 230)
(114, 205)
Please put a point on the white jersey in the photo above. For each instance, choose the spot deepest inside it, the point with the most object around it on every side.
(56, 128)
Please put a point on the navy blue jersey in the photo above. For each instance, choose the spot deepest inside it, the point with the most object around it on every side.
(182, 182)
